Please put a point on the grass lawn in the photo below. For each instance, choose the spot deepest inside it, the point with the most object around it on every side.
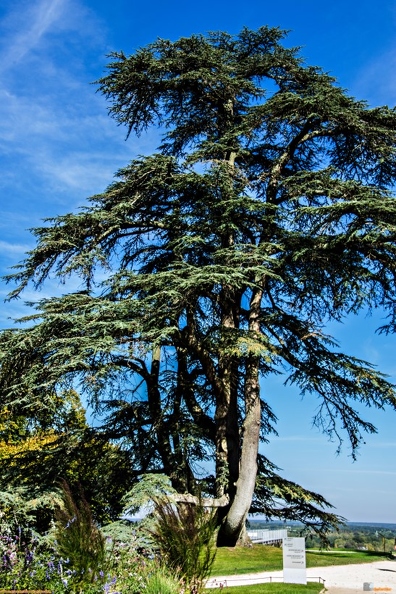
(240, 560)
(324, 558)
(310, 588)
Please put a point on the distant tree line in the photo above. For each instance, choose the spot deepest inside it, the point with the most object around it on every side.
(349, 536)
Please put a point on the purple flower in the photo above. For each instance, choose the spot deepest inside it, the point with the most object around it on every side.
(108, 585)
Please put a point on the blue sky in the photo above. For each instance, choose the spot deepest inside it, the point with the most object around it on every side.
(58, 146)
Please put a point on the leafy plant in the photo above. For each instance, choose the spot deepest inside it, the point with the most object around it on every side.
(136, 572)
(21, 506)
(26, 563)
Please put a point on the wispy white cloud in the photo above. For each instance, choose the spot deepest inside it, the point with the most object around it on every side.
(54, 130)
(376, 82)
(10, 219)
(57, 144)
(13, 248)
(27, 27)
(20, 307)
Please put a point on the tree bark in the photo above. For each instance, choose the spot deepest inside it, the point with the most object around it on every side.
(233, 526)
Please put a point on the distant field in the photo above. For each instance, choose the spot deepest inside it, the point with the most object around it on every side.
(243, 560)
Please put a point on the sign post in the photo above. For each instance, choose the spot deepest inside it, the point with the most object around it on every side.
(294, 564)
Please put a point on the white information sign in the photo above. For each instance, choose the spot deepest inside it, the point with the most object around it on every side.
(294, 565)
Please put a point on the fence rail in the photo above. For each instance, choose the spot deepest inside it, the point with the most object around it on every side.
(256, 580)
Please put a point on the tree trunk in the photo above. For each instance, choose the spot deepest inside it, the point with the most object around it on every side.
(233, 524)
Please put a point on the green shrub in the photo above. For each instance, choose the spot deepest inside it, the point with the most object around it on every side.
(26, 564)
(138, 573)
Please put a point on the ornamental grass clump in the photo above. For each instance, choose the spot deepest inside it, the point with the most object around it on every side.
(80, 541)
(184, 536)
(160, 582)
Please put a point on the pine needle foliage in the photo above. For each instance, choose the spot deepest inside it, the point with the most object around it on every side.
(267, 212)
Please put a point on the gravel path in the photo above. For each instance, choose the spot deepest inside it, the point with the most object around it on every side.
(339, 579)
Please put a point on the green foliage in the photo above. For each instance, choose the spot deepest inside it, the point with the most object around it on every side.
(79, 540)
(136, 572)
(161, 582)
(293, 502)
(148, 489)
(27, 562)
(20, 506)
(61, 445)
(267, 211)
(184, 535)
(364, 537)
(17, 561)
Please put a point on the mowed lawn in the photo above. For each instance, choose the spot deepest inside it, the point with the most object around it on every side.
(240, 560)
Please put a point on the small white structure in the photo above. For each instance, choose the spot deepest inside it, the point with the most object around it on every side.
(294, 563)
(267, 536)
